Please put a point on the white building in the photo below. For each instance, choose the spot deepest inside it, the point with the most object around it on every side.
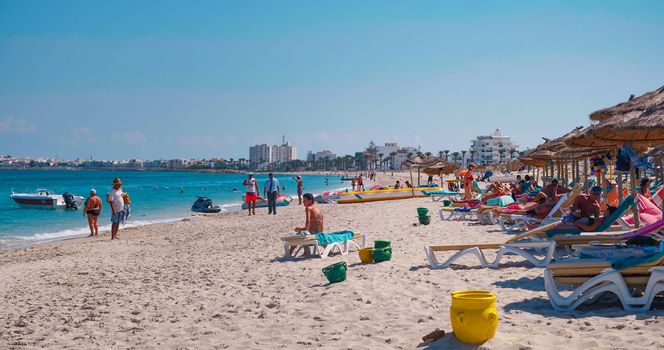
(314, 157)
(272, 153)
(260, 154)
(283, 153)
(493, 149)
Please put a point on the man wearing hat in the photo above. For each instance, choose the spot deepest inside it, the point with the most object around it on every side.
(116, 202)
(252, 193)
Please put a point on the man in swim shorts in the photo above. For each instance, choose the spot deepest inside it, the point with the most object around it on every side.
(251, 196)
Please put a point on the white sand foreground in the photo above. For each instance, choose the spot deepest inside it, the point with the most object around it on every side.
(219, 282)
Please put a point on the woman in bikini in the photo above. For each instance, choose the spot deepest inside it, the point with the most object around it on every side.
(92, 210)
(468, 182)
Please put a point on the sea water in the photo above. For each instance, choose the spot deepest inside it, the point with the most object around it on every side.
(155, 197)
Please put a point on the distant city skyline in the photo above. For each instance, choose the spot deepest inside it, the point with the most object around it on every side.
(167, 80)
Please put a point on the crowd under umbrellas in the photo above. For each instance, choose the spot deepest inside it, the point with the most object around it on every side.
(638, 123)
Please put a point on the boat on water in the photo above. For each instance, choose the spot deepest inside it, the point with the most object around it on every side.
(374, 195)
(204, 205)
(262, 202)
(46, 199)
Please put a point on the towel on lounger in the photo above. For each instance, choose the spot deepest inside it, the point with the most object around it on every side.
(332, 237)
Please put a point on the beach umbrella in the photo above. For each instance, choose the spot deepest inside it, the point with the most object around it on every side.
(638, 122)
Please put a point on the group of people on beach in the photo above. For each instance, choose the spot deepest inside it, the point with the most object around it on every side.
(119, 202)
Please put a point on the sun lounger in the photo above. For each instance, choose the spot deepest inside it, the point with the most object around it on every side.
(595, 277)
(522, 222)
(606, 224)
(323, 243)
(521, 245)
(439, 195)
(458, 213)
(589, 237)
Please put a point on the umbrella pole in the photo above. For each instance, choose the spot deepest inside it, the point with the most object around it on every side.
(418, 177)
(619, 180)
(635, 209)
(412, 190)
(578, 174)
(585, 175)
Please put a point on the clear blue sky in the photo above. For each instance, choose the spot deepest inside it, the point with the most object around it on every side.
(166, 79)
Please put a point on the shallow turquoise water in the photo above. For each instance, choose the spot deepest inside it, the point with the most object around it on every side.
(156, 197)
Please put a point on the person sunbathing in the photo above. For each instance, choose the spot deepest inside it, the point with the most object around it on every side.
(314, 217)
(495, 190)
(553, 191)
(591, 224)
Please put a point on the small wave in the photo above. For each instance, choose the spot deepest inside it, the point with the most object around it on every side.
(48, 237)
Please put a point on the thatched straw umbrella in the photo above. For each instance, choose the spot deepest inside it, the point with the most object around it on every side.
(441, 167)
(638, 122)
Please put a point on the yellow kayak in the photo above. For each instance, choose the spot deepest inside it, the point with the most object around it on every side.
(383, 195)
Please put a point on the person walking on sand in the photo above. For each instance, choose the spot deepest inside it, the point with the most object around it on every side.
(92, 210)
(271, 191)
(352, 182)
(252, 193)
(300, 187)
(114, 198)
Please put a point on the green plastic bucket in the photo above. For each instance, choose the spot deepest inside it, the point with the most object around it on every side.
(381, 244)
(422, 211)
(424, 220)
(382, 254)
(336, 272)
(447, 202)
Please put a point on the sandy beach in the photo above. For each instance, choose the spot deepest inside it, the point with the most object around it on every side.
(220, 281)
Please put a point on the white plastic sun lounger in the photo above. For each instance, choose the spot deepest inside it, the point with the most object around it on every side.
(609, 280)
(522, 245)
(521, 221)
(310, 242)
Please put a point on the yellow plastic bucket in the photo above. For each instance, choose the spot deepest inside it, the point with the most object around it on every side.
(474, 316)
(366, 255)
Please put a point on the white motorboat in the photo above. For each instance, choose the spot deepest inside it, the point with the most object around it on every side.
(45, 199)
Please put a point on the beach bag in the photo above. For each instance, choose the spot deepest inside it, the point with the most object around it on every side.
(125, 198)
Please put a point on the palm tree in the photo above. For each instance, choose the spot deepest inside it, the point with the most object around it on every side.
(380, 159)
(392, 156)
(472, 154)
(428, 154)
(440, 154)
(447, 151)
(512, 151)
(502, 154)
(455, 155)
(463, 156)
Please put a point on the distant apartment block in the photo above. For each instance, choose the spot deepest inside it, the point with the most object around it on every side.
(493, 149)
(318, 156)
(261, 154)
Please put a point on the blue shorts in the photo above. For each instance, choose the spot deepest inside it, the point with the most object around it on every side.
(116, 217)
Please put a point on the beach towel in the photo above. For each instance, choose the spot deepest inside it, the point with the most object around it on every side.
(440, 192)
(334, 237)
(624, 263)
(501, 201)
(648, 211)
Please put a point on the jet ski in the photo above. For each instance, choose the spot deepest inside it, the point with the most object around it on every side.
(204, 205)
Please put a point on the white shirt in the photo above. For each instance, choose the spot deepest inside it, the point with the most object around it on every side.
(251, 187)
(115, 197)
